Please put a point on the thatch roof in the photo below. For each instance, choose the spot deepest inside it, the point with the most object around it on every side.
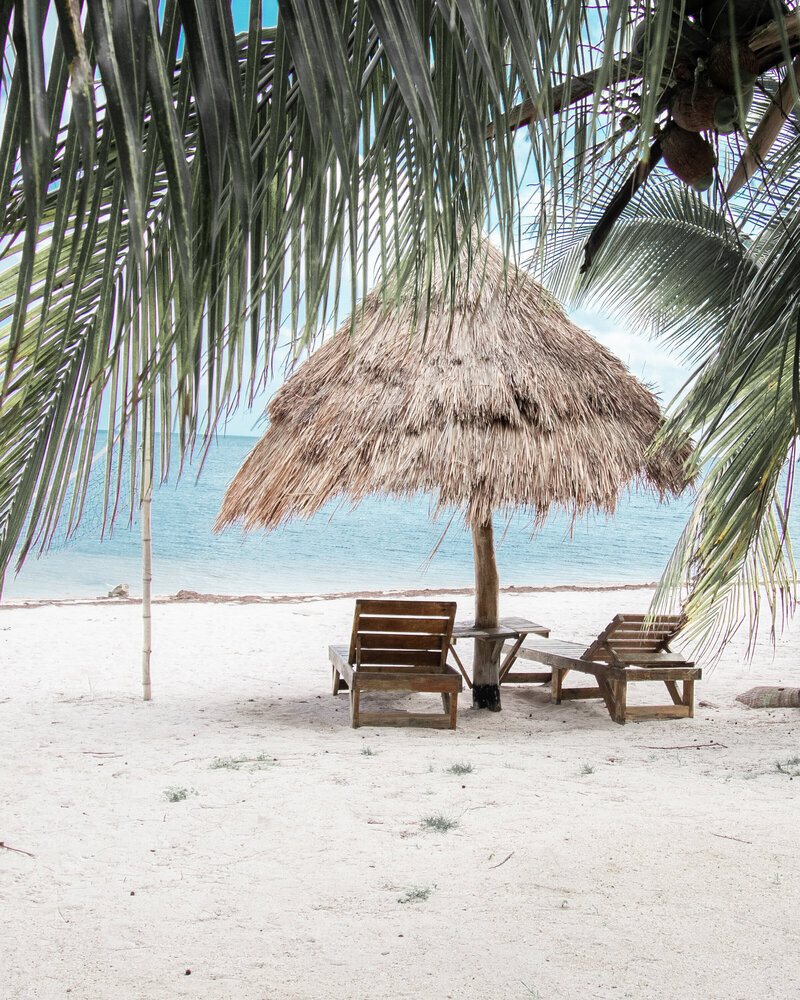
(509, 406)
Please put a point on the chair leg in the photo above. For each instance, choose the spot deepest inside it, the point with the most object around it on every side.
(354, 698)
(610, 697)
(556, 684)
(621, 702)
(339, 683)
(688, 696)
(453, 709)
(450, 702)
(672, 687)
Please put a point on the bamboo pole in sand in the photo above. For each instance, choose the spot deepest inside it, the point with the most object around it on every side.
(147, 559)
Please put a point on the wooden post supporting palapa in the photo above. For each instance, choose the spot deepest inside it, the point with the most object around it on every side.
(147, 557)
(486, 663)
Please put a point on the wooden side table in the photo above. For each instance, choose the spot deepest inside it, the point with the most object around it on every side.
(507, 628)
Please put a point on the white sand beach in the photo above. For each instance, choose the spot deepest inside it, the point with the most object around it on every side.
(655, 861)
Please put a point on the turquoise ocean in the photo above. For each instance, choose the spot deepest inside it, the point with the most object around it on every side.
(381, 544)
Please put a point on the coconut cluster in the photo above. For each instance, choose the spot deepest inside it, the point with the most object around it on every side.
(714, 72)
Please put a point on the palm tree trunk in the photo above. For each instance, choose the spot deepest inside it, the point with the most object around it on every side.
(486, 663)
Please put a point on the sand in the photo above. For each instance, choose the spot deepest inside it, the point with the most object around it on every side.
(655, 860)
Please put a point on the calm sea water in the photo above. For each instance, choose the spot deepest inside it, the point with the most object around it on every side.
(380, 544)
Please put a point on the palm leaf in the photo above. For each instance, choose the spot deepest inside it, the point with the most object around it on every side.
(244, 189)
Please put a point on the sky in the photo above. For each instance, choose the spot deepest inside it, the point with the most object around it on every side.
(241, 12)
(647, 360)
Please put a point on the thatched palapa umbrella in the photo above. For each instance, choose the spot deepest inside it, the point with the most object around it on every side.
(503, 404)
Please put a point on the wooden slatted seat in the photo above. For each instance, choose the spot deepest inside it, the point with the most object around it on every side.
(398, 646)
(630, 648)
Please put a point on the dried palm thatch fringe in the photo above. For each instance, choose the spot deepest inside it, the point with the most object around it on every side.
(512, 406)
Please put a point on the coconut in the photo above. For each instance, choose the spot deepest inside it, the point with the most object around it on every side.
(687, 39)
(688, 6)
(679, 29)
(703, 183)
(721, 65)
(683, 72)
(689, 156)
(731, 112)
(698, 109)
(747, 16)
(638, 38)
(726, 115)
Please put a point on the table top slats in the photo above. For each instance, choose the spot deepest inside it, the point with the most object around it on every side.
(507, 628)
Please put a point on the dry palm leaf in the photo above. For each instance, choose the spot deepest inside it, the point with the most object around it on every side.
(767, 131)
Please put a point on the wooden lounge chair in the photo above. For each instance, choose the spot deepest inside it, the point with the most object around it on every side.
(631, 648)
(398, 646)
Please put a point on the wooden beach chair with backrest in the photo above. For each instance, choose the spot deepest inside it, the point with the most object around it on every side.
(632, 648)
(398, 646)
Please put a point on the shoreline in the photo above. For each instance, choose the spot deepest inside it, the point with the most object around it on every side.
(195, 597)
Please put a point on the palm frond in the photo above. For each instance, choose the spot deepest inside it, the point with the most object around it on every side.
(729, 301)
(200, 195)
(672, 266)
(208, 188)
